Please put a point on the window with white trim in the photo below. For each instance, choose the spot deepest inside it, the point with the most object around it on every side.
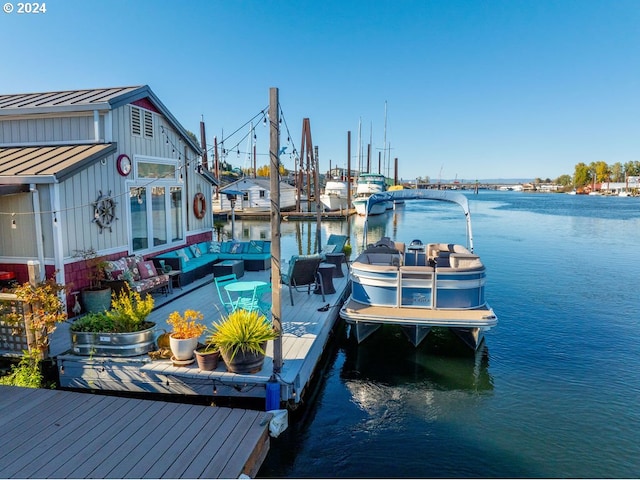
(157, 209)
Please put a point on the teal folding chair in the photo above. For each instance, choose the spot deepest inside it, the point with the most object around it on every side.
(223, 295)
(259, 301)
(262, 300)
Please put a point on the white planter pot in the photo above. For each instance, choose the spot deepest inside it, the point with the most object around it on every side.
(182, 349)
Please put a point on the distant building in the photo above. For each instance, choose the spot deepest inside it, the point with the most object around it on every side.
(109, 169)
(256, 195)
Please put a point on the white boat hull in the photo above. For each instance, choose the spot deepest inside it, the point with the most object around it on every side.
(377, 209)
(333, 202)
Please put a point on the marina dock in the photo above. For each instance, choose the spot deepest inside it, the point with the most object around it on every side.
(60, 434)
(306, 331)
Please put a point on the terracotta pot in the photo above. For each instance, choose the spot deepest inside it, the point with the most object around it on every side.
(207, 361)
(243, 362)
(182, 348)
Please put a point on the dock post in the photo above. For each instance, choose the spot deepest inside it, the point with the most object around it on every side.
(274, 148)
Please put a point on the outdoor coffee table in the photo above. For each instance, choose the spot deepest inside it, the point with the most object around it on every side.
(227, 267)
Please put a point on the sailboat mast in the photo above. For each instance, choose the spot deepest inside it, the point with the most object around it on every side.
(359, 146)
(384, 146)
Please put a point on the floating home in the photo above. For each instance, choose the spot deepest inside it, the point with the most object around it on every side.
(256, 195)
(105, 169)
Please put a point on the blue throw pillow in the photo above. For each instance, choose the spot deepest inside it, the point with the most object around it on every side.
(256, 246)
(182, 255)
(214, 247)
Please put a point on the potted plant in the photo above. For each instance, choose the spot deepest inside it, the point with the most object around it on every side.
(242, 338)
(97, 296)
(207, 355)
(183, 340)
(43, 309)
(120, 331)
(347, 251)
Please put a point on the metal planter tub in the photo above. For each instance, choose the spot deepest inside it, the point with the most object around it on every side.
(127, 344)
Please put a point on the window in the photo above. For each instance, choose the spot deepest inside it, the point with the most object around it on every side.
(158, 213)
(138, 205)
(262, 193)
(245, 196)
(156, 216)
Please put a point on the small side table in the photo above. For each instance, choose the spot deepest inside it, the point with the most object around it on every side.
(326, 276)
(337, 259)
(174, 279)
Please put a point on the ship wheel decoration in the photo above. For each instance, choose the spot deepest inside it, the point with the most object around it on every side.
(104, 211)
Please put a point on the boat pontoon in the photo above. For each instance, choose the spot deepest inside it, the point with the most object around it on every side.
(420, 285)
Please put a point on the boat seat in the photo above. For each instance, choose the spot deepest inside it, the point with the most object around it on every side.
(381, 259)
(464, 261)
(443, 250)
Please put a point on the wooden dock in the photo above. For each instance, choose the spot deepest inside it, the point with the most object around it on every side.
(305, 334)
(59, 434)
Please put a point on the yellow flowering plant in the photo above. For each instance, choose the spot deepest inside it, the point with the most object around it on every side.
(187, 325)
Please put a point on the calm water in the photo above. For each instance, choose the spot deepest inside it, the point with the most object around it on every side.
(554, 392)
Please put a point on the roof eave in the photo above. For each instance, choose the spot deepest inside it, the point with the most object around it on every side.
(5, 112)
(27, 179)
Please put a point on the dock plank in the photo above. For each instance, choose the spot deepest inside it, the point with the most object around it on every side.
(47, 449)
(69, 448)
(91, 436)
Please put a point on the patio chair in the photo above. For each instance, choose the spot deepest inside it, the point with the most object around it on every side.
(303, 272)
(223, 295)
(260, 301)
(338, 240)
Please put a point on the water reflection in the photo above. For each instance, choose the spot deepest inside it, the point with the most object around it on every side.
(385, 370)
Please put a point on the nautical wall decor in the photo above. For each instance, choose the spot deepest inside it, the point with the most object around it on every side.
(104, 211)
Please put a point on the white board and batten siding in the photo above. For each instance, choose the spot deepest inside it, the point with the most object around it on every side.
(47, 129)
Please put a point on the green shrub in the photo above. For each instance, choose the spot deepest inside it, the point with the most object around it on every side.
(27, 373)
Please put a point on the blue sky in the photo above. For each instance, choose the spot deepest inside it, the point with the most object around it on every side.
(474, 89)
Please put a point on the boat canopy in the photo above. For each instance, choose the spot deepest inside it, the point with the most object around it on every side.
(423, 194)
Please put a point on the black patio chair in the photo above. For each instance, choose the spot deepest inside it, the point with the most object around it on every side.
(303, 272)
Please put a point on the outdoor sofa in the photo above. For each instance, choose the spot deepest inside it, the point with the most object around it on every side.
(196, 261)
(141, 275)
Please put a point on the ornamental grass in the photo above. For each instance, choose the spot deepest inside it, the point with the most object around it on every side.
(242, 330)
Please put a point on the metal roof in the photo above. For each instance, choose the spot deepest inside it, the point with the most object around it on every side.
(19, 165)
(87, 100)
(71, 100)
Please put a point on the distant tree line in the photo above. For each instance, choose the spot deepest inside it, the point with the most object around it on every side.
(599, 172)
